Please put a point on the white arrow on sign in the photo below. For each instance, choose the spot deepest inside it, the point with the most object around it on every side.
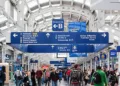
(74, 47)
(48, 35)
(104, 35)
(15, 35)
(52, 46)
(55, 26)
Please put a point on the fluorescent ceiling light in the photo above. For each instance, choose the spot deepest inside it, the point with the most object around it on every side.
(110, 17)
(47, 14)
(25, 9)
(100, 30)
(6, 27)
(106, 28)
(43, 1)
(38, 17)
(2, 18)
(57, 13)
(2, 39)
(116, 38)
(113, 31)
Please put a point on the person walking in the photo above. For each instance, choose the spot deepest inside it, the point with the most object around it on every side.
(18, 77)
(39, 76)
(86, 77)
(60, 75)
(2, 78)
(26, 80)
(47, 77)
(99, 78)
(54, 77)
(33, 78)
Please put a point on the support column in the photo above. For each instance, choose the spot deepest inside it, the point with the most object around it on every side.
(101, 63)
(91, 64)
(83, 66)
(3, 52)
(108, 60)
(118, 54)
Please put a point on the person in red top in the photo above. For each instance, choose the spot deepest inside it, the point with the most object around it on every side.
(39, 76)
(68, 75)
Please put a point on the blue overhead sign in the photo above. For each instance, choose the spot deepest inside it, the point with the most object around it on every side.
(59, 38)
(118, 48)
(55, 62)
(78, 55)
(99, 47)
(60, 48)
(58, 24)
(77, 26)
(113, 53)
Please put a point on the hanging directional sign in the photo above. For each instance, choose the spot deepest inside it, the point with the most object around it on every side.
(60, 48)
(118, 48)
(59, 38)
(78, 55)
(113, 53)
(77, 26)
(58, 25)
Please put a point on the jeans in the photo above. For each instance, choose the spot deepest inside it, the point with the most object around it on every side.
(39, 81)
(68, 79)
(18, 82)
(54, 83)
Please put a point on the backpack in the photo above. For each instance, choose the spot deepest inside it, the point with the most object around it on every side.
(47, 75)
(97, 78)
(74, 75)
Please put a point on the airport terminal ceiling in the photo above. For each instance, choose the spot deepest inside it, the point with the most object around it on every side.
(37, 15)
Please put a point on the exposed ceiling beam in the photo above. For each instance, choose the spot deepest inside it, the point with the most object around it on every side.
(83, 4)
(61, 2)
(27, 6)
(38, 4)
(115, 20)
(50, 3)
(72, 2)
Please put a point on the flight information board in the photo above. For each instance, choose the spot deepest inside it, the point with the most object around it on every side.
(59, 38)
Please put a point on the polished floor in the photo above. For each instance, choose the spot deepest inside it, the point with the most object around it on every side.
(63, 83)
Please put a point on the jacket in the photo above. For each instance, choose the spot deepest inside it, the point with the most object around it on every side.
(103, 78)
(39, 74)
(54, 76)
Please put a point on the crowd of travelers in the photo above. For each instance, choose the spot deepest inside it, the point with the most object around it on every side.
(73, 76)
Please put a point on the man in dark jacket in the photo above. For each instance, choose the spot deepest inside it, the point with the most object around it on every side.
(54, 77)
(2, 78)
(39, 76)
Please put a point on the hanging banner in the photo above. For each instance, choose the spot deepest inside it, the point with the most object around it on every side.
(59, 38)
(58, 24)
(103, 56)
(113, 53)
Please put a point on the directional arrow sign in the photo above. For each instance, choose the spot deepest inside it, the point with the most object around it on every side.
(60, 38)
(58, 25)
